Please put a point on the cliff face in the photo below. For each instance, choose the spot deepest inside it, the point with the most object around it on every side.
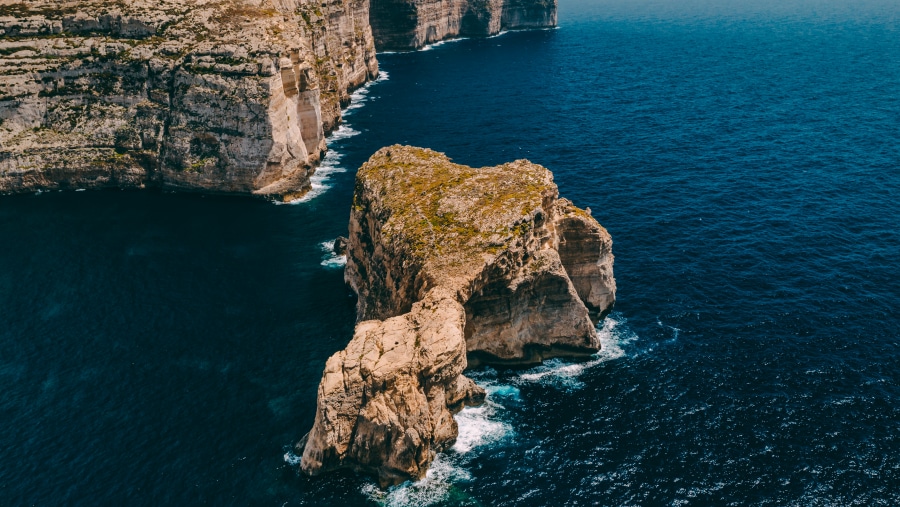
(451, 265)
(215, 95)
(386, 402)
(229, 96)
(411, 24)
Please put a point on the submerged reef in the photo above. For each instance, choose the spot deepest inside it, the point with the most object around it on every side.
(452, 266)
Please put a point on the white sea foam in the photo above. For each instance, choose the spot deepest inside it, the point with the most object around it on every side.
(483, 427)
(345, 131)
(292, 459)
(612, 336)
(359, 97)
(337, 262)
(331, 163)
(479, 427)
(674, 330)
(437, 486)
(331, 259)
(429, 47)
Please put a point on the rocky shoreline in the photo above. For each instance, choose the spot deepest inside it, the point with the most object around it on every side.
(408, 24)
(214, 96)
(450, 263)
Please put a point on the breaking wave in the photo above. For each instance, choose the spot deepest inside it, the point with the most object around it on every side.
(292, 459)
(331, 259)
(482, 428)
(564, 374)
(444, 483)
(359, 97)
(331, 162)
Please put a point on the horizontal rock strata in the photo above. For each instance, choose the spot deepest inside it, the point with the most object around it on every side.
(411, 24)
(229, 96)
(226, 96)
(451, 265)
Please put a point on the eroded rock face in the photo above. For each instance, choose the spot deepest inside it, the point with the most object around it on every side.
(411, 24)
(229, 96)
(451, 265)
(386, 402)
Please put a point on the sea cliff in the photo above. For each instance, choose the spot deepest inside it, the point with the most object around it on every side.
(231, 96)
(452, 265)
(217, 96)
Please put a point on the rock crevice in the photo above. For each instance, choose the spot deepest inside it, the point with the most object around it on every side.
(452, 266)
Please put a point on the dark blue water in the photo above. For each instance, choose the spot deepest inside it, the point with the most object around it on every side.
(161, 349)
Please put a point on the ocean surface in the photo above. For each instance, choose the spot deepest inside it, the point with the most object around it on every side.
(165, 349)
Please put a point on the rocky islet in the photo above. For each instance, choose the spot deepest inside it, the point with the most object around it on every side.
(452, 266)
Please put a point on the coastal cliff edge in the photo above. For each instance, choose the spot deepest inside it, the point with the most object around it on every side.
(452, 266)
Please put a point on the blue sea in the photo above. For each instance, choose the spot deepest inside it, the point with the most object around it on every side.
(165, 349)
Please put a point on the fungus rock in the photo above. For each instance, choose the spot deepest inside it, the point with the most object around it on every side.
(452, 266)
(231, 96)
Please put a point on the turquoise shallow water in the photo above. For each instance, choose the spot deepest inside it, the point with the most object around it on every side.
(165, 349)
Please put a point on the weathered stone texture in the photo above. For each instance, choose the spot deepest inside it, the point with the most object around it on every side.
(451, 265)
(227, 96)
(411, 24)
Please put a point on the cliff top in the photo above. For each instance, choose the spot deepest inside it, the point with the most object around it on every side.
(239, 37)
(455, 218)
(450, 263)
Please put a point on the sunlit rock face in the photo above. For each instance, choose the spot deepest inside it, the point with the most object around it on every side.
(451, 265)
(412, 24)
(209, 95)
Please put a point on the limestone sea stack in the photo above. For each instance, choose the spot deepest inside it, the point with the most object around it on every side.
(224, 96)
(411, 24)
(452, 265)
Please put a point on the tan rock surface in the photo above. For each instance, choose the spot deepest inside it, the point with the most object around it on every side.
(386, 402)
(411, 24)
(451, 265)
(229, 96)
